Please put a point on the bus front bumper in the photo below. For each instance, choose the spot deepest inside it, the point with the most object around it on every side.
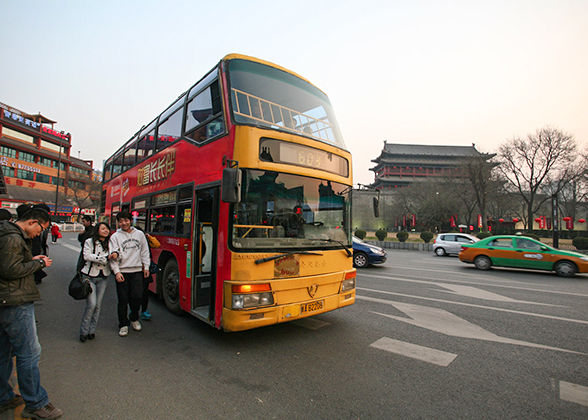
(240, 320)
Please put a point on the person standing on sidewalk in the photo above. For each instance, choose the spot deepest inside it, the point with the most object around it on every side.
(82, 237)
(130, 266)
(18, 332)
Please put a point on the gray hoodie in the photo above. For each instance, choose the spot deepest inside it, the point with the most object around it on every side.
(132, 249)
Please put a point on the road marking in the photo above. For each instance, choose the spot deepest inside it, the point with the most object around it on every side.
(444, 322)
(485, 295)
(573, 393)
(476, 283)
(413, 351)
(73, 248)
(558, 318)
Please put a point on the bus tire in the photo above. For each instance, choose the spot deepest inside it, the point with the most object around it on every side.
(170, 287)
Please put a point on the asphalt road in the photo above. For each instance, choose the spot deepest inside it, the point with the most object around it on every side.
(428, 338)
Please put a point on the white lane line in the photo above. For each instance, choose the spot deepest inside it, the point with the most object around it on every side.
(73, 248)
(413, 351)
(573, 393)
(387, 302)
(476, 293)
(427, 280)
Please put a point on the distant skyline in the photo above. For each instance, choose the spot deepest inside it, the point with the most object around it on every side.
(419, 72)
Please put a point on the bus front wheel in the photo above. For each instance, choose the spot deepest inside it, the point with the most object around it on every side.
(171, 287)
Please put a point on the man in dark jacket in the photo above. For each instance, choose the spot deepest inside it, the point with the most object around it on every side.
(18, 333)
(82, 236)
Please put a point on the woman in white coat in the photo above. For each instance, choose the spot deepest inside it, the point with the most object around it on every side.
(96, 270)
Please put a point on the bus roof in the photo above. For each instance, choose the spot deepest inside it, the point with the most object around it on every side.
(267, 63)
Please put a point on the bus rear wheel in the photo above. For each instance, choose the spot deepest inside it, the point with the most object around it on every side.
(171, 287)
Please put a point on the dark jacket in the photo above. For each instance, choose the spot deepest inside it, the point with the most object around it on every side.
(17, 268)
(87, 233)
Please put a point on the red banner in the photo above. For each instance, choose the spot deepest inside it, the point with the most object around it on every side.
(414, 220)
(452, 220)
(549, 223)
(570, 224)
(480, 220)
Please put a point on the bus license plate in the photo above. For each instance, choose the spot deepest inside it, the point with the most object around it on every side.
(312, 306)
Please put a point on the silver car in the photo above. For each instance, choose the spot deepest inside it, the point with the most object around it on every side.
(450, 243)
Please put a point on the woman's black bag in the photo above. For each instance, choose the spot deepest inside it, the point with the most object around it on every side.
(79, 288)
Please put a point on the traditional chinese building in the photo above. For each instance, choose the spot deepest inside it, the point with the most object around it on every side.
(37, 166)
(400, 165)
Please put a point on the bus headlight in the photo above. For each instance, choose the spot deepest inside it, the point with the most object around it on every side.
(252, 300)
(348, 284)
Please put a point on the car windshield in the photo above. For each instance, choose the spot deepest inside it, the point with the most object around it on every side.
(281, 211)
(268, 97)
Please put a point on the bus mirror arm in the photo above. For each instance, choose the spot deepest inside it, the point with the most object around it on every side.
(231, 183)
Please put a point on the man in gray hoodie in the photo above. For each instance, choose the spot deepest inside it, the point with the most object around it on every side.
(130, 265)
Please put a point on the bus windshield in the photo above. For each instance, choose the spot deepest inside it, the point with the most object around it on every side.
(282, 211)
(272, 98)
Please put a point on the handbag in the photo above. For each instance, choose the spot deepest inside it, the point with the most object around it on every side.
(153, 268)
(79, 288)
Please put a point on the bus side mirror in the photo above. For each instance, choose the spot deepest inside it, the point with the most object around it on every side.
(231, 185)
(376, 207)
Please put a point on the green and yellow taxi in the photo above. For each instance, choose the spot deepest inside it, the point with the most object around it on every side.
(522, 252)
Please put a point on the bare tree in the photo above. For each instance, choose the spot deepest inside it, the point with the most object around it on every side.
(544, 160)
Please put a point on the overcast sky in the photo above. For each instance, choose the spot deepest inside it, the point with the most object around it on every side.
(414, 71)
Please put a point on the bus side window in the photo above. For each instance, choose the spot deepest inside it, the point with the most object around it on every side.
(183, 219)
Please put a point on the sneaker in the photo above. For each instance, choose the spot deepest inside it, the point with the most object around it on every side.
(48, 412)
(136, 325)
(123, 331)
(13, 403)
(146, 315)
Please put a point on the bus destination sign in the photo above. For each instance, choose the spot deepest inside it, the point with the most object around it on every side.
(271, 150)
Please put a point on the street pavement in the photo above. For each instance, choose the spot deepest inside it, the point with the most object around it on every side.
(428, 338)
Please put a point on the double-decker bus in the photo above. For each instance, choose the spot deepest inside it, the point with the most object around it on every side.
(246, 182)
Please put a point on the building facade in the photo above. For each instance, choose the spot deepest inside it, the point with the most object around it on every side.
(37, 166)
(400, 165)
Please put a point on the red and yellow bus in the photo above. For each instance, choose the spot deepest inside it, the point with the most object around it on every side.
(246, 182)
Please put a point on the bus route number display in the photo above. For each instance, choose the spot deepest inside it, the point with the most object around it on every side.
(299, 155)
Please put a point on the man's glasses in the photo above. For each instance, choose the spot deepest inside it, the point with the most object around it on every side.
(42, 228)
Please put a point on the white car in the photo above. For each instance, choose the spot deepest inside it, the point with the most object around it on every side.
(450, 243)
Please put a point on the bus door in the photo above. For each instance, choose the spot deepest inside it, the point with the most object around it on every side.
(205, 236)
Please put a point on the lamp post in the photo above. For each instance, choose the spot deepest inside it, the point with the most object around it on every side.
(57, 183)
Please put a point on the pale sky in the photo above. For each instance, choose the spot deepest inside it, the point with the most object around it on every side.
(414, 71)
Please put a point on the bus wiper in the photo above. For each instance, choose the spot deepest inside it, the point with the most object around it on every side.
(349, 254)
(275, 257)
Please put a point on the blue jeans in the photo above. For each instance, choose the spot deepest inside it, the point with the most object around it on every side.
(18, 337)
(93, 302)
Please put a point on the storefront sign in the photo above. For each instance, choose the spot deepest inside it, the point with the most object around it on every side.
(54, 133)
(4, 161)
(16, 117)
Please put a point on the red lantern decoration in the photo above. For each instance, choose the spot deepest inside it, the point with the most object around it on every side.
(565, 219)
(515, 220)
(501, 220)
(538, 219)
(581, 220)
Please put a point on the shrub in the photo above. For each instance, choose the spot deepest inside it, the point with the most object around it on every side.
(360, 233)
(483, 235)
(402, 236)
(381, 234)
(580, 243)
(532, 235)
(427, 236)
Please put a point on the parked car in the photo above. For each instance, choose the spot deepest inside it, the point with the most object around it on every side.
(522, 252)
(450, 243)
(365, 254)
